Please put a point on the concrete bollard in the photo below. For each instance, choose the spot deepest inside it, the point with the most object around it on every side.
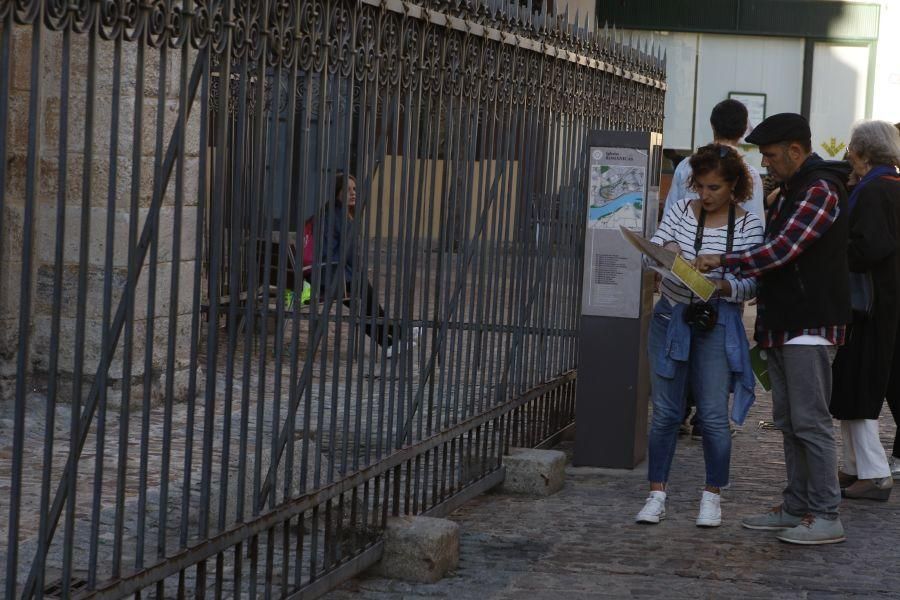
(421, 549)
(534, 472)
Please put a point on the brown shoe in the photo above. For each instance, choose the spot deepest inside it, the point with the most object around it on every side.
(869, 489)
(846, 479)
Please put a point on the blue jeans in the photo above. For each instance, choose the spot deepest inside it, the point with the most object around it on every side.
(710, 379)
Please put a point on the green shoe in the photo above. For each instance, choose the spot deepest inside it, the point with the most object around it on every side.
(775, 519)
(814, 531)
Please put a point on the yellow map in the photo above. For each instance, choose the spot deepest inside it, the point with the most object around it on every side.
(693, 279)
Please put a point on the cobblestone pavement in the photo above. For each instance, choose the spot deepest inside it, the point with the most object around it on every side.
(583, 542)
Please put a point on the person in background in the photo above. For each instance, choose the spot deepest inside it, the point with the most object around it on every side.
(893, 399)
(863, 367)
(729, 122)
(702, 344)
(342, 268)
(802, 313)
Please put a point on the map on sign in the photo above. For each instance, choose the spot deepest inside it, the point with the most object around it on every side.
(618, 179)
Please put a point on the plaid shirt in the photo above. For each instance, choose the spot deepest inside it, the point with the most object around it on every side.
(811, 219)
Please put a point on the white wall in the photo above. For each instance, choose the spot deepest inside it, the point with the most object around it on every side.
(681, 57)
(774, 66)
(838, 95)
(886, 102)
(582, 7)
(763, 65)
(681, 63)
(724, 63)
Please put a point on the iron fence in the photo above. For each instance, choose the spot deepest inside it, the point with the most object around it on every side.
(272, 272)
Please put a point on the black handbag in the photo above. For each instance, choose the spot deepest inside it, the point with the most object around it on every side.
(862, 292)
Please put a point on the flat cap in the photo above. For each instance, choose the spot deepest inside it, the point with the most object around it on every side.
(783, 127)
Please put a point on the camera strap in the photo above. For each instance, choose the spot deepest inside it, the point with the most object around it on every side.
(701, 223)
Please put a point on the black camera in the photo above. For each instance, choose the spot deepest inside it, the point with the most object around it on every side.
(702, 316)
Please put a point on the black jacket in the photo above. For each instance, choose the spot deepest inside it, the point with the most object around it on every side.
(812, 290)
(864, 366)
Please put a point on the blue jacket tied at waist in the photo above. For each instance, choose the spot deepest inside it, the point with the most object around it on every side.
(677, 349)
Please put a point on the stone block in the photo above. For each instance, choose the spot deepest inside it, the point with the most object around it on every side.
(534, 472)
(105, 68)
(46, 238)
(10, 288)
(102, 131)
(17, 138)
(136, 391)
(94, 293)
(48, 181)
(12, 242)
(93, 347)
(192, 145)
(9, 344)
(419, 549)
(20, 67)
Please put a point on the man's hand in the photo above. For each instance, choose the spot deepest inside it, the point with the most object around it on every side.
(707, 262)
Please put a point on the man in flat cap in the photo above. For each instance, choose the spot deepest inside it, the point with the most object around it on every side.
(803, 310)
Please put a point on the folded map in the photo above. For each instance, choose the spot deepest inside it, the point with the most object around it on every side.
(673, 265)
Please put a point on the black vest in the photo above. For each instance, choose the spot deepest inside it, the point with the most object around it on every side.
(813, 290)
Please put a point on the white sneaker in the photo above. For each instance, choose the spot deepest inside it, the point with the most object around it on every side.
(397, 346)
(710, 510)
(894, 463)
(654, 509)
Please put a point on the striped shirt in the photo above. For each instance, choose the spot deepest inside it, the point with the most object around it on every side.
(680, 225)
(810, 220)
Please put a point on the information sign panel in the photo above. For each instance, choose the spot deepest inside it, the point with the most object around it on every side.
(617, 196)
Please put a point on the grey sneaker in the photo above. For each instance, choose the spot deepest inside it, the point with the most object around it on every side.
(777, 518)
(894, 462)
(813, 532)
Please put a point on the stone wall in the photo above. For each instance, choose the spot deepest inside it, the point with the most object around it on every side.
(48, 197)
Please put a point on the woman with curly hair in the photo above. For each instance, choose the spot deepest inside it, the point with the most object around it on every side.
(697, 343)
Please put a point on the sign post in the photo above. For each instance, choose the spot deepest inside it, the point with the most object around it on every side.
(613, 370)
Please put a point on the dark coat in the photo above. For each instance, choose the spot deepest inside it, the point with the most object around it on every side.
(812, 290)
(863, 366)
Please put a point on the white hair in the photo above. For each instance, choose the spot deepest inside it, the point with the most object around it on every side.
(876, 141)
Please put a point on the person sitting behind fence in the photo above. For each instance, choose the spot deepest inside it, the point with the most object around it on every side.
(702, 343)
(338, 253)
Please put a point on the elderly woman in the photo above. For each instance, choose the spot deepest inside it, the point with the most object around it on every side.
(862, 367)
(702, 343)
(893, 400)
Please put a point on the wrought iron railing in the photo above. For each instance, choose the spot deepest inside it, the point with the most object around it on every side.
(175, 417)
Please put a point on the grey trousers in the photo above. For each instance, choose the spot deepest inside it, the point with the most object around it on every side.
(801, 391)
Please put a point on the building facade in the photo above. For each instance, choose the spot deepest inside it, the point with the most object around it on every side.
(832, 61)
